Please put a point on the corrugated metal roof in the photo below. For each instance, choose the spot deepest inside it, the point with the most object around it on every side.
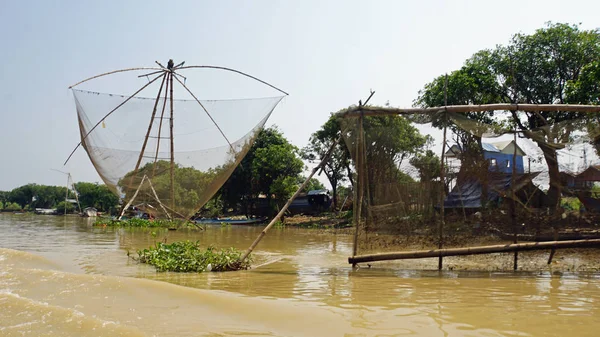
(502, 145)
(489, 147)
(317, 192)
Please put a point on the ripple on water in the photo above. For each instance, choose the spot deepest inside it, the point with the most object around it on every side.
(304, 269)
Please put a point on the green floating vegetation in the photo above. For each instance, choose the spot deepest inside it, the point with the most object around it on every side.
(187, 256)
(144, 223)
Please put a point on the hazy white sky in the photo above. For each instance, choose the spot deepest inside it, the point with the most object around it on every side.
(326, 54)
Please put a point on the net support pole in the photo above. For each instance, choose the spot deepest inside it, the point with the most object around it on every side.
(171, 136)
(84, 137)
(75, 192)
(157, 199)
(143, 150)
(132, 199)
(67, 194)
(160, 124)
(262, 234)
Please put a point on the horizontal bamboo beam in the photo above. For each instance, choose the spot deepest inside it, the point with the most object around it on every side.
(378, 111)
(514, 247)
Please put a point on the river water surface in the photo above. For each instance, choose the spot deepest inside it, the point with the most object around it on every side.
(60, 276)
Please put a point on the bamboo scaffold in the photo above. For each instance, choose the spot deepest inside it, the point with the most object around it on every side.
(447, 114)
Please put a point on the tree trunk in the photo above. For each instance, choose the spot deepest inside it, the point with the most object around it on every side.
(554, 191)
(334, 192)
(350, 175)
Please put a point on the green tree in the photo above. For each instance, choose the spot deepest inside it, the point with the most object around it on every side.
(97, 196)
(389, 141)
(4, 196)
(313, 184)
(264, 170)
(275, 169)
(337, 167)
(189, 185)
(12, 207)
(428, 165)
(474, 83)
(60, 207)
(538, 69)
(586, 90)
(38, 196)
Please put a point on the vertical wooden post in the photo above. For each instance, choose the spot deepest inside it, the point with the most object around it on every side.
(365, 183)
(143, 150)
(513, 202)
(443, 178)
(67, 194)
(160, 124)
(70, 178)
(359, 182)
(172, 143)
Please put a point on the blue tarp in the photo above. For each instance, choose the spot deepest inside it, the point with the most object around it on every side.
(467, 194)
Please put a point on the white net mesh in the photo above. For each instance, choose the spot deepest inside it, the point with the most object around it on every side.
(135, 141)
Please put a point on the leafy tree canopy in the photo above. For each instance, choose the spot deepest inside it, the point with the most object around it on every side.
(271, 167)
(428, 165)
(337, 167)
(556, 64)
(97, 196)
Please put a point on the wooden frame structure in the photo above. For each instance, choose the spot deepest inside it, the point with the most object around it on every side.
(360, 111)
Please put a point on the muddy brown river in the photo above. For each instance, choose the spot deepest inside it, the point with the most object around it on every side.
(60, 276)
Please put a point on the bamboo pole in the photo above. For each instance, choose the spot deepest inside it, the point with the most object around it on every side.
(513, 214)
(132, 199)
(381, 111)
(475, 250)
(209, 116)
(365, 183)
(108, 114)
(290, 200)
(553, 248)
(172, 143)
(75, 192)
(359, 185)
(442, 178)
(67, 194)
(157, 199)
(139, 161)
(160, 124)
(237, 72)
(116, 71)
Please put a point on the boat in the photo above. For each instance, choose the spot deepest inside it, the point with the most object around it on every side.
(230, 221)
(89, 212)
(45, 211)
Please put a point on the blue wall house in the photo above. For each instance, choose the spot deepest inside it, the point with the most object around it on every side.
(468, 192)
(499, 154)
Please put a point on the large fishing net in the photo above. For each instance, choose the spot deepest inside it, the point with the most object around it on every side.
(495, 186)
(167, 158)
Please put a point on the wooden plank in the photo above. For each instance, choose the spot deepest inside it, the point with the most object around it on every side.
(514, 247)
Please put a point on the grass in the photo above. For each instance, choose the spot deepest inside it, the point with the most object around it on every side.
(187, 256)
